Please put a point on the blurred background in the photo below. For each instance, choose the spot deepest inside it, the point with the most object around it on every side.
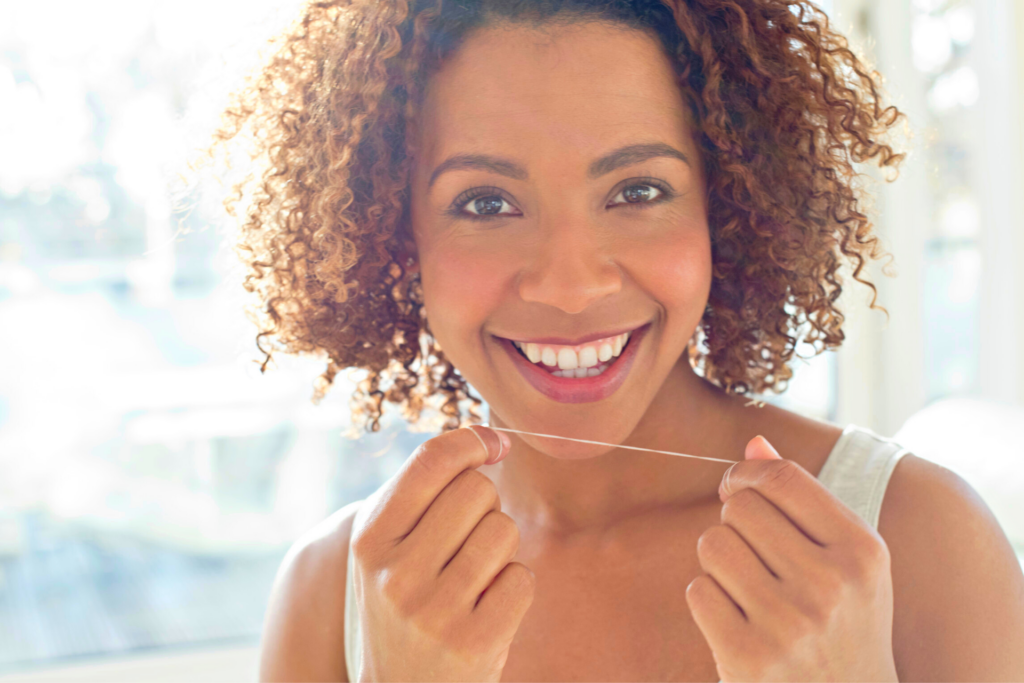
(151, 477)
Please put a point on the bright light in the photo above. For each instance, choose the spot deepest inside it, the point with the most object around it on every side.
(931, 43)
(957, 88)
(960, 218)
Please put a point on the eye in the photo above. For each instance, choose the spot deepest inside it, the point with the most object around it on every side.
(641, 193)
(487, 206)
(481, 203)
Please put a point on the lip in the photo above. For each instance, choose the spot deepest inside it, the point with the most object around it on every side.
(584, 389)
(565, 341)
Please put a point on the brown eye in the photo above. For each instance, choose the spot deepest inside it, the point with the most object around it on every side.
(482, 203)
(486, 206)
(638, 194)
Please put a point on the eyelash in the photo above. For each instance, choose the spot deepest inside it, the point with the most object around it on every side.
(466, 197)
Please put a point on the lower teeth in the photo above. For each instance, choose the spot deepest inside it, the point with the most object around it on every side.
(580, 373)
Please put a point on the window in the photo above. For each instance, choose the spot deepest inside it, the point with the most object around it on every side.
(150, 478)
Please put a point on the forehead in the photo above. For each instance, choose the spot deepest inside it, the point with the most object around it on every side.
(583, 87)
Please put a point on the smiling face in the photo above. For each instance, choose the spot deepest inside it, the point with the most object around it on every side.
(558, 204)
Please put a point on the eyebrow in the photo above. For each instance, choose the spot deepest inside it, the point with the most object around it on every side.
(623, 156)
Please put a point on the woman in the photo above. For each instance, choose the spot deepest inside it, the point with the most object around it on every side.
(614, 219)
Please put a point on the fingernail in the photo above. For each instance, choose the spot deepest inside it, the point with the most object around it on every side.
(722, 487)
(506, 445)
(771, 452)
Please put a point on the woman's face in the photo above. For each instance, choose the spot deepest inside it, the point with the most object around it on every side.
(557, 203)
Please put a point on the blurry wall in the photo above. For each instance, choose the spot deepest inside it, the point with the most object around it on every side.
(951, 221)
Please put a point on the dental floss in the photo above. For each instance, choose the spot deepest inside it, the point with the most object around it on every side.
(613, 445)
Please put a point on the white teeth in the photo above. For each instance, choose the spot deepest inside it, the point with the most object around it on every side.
(593, 372)
(580, 372)
(568, 359)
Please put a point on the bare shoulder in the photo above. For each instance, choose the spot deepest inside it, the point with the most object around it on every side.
(303, 632)
(957, 584)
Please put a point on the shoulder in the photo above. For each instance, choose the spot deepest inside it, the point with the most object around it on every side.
(957, 584)
(304, 625)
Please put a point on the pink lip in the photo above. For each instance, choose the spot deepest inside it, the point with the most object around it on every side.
(584, 389)
(565, 341)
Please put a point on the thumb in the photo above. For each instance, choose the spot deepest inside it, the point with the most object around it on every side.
(759, 448)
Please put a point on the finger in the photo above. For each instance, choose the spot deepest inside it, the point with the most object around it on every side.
(759, 448)
(491, 546)
(505, 601)
(409, 493)
(450, 519)
(727, 558)
(780, 544)
(717, 616)
(801, 497)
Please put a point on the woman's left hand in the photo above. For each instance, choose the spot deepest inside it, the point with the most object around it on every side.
(797, 586)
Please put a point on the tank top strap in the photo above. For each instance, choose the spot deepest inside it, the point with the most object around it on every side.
(353, 636)
(858, 468)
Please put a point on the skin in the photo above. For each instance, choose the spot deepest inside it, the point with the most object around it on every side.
(640, 566)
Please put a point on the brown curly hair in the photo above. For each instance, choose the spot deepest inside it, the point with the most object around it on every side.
(783, 109)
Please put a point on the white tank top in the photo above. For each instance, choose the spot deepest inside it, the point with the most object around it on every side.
(857, 471)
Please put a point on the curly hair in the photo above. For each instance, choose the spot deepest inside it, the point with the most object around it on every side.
(783, 111)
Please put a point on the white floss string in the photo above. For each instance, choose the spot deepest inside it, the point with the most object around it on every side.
(613, 445)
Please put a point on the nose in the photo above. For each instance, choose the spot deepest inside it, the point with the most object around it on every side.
(570, 270)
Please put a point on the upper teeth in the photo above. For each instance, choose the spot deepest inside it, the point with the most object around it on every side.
(571, 357)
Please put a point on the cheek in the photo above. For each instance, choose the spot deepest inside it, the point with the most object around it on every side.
(677, 273)
(461, 288)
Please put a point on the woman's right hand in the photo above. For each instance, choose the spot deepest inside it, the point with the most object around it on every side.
(439, 598)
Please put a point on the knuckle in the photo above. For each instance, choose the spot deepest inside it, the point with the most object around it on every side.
(780, 474)
(739, 504)
(361, 544)
(877, 553)
(425, 457)
(713, 541)
(504, 532)
(521, 577)
(869, 559)
(475, 488)
(396, 586)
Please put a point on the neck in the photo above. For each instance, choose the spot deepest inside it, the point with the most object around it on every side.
(688, 415)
